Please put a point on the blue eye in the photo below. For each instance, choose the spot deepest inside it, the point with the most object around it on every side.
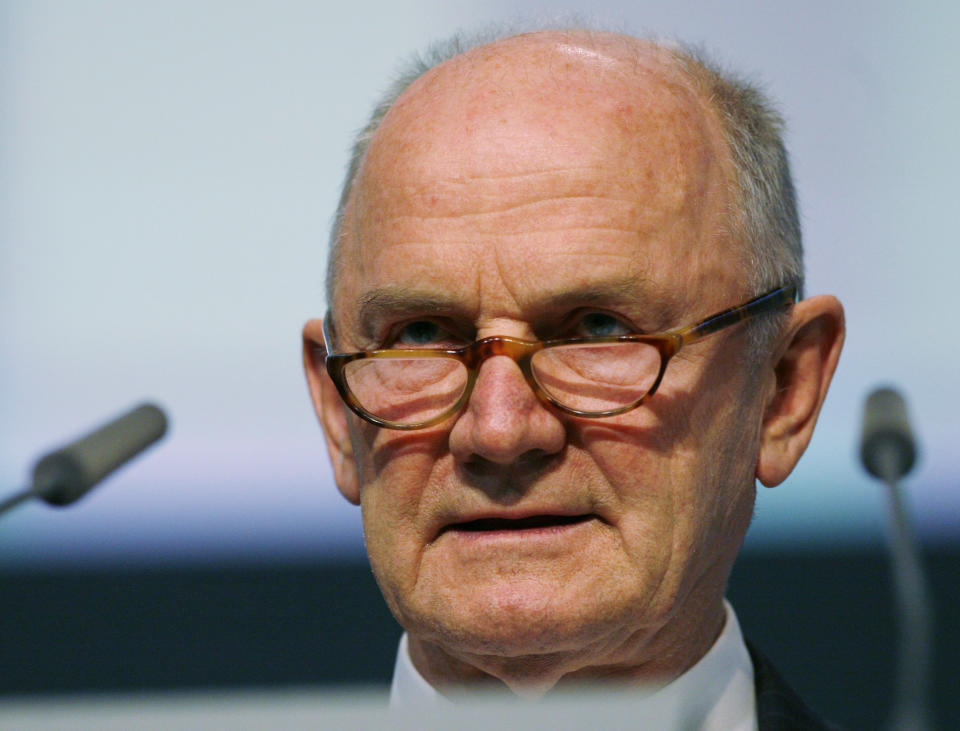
(601, 324)
(420, 333)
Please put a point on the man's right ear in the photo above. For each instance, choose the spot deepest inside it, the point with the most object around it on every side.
(331, 411)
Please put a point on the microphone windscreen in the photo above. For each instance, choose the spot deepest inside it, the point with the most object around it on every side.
(71, 471)
(887, 447)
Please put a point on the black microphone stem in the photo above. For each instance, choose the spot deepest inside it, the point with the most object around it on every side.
(913, 599)
(889, 451)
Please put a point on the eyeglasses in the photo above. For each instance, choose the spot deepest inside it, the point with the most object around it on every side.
(592, 377)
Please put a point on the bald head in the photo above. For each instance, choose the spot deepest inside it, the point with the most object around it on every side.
(549, 90)
(545, 105)
(598, 82)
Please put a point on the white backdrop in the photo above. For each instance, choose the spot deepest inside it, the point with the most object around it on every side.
(167, 176)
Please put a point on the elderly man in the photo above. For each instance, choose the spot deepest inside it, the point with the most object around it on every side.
(562, 344)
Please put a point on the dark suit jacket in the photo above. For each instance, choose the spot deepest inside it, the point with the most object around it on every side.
(778, 707)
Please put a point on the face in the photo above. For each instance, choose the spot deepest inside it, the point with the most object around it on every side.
(587, 192)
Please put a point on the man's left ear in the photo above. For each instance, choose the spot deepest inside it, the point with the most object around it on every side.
(803, 366)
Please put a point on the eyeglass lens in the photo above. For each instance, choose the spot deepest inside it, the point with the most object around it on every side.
(586, 377)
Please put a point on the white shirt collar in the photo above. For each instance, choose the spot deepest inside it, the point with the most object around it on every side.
(716, 694)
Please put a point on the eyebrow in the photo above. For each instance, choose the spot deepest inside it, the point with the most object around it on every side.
(613, 290)
(643, 296)
(396, 298)
(392, 300)
(393, 297)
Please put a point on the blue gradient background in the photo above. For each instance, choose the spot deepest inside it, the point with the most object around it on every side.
(168, 173)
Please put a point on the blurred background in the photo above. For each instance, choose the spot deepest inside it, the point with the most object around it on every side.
(168, 173)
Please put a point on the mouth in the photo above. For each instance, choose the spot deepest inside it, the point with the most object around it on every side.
(530, 523)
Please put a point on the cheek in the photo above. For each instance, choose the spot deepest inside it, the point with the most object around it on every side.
(390, 501)
(680, 486)
(392, 535)
(646, 494)
(715, 478)
(398, 473)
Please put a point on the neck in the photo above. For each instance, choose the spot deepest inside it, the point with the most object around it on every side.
(641, 657)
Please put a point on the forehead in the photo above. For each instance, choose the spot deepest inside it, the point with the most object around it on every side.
(509, 162)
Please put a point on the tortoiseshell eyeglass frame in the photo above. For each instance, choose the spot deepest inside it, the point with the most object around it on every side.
(521, 351)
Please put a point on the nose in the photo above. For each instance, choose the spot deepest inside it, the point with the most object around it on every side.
(504, 421)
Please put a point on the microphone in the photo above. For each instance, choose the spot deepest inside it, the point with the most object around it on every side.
(888, 452)
(887, 447)
(67, 474)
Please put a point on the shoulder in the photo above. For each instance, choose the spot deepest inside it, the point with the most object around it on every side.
(779, 708)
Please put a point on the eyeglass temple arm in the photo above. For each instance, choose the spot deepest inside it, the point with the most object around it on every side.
(326, 348)
(777, 299)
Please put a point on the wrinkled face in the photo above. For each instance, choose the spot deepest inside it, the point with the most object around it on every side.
(582, 196)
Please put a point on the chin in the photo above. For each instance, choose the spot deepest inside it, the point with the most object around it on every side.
(518, 620)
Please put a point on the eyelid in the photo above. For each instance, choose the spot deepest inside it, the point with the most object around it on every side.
(460, 334)
(448, 328)
(576, 317)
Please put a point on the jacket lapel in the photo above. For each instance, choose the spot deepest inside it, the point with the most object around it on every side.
(778, 707)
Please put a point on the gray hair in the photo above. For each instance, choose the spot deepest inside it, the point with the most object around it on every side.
(766, 218)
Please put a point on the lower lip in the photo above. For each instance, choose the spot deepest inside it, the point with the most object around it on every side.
(545, 532)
